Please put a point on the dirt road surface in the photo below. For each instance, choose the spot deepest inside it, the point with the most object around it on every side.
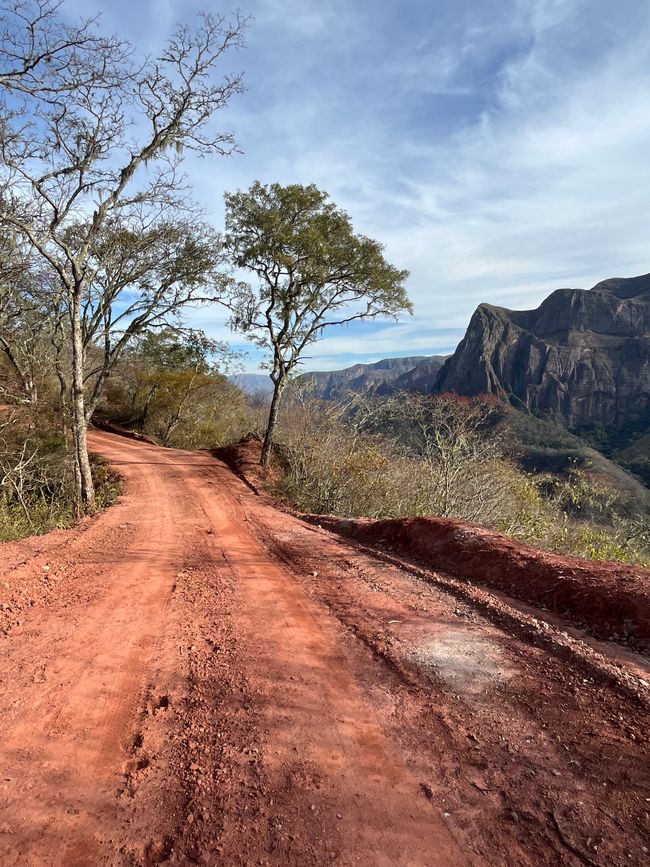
(194, 677)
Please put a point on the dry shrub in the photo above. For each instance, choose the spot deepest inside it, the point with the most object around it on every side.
(37, 484)
(443, 455)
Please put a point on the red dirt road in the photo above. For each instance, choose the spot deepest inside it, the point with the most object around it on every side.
(196, 677)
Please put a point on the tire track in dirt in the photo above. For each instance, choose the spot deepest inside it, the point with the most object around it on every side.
(64, 741)
(210, 681)
(317, 721)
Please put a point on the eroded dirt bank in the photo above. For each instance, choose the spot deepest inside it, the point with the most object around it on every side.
(207, 680)
(611, 599)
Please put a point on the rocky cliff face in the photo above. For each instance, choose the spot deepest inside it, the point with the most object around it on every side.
(421, 377)
(582, 356)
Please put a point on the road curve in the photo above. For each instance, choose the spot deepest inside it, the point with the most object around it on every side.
(196, 677)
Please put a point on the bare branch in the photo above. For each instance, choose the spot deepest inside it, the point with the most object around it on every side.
(91, 148)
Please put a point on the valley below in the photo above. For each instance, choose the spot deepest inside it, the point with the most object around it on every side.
(197, 677)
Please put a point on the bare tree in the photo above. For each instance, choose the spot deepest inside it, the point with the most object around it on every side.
(95, 146)
(29, 316)
(44, 55)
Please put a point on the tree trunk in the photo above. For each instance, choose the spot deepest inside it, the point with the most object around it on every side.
(144, 415)
(64, 409)
(64, 388)
(270, 427)
(85, 487)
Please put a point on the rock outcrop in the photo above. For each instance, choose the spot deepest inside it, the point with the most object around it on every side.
(423, 373)
(378, 378)
(582, 357)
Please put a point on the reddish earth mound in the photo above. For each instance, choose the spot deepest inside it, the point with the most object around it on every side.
(111, 427)
(243, 458)
(611, 599)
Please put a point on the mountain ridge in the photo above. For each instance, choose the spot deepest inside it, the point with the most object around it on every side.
(581, 357)
(379, 377)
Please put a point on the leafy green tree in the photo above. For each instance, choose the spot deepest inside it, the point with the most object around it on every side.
(312, 272)
(172, 386)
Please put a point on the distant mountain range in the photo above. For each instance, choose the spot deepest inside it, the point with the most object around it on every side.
(581, 358)
(382, 377)
(252, 383)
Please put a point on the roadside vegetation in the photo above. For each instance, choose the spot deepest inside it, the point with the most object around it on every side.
(37, 482)
(453, 457)
(173, 388)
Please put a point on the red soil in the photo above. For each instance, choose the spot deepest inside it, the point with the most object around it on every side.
(611, 599)
(196, 677)
(243, 458)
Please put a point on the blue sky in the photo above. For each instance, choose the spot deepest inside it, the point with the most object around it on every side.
(499, 148)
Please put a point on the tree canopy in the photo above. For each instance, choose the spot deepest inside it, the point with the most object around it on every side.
(312, 272)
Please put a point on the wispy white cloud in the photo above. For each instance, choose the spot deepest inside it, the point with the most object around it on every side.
(304, 18)
(497, 147)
